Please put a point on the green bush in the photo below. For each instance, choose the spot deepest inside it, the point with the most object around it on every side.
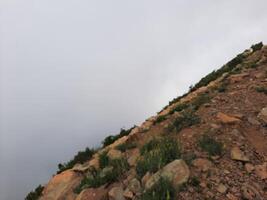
(112, 138)
(125, 146)
(194, 181)
(257, 46)
(162, 190)
(261, 90)
(156, 154)
(200, 100)
(81, 157)
(35, 195)
(179, 107)
(187, 119)
(103, 159)
(210, 145)
(160, 118)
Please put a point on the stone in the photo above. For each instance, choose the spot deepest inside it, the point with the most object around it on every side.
(114, 154)
(94, 163)
(132, 160)
(237, 154)
(227, 119)
(81, 167)
(263, 115)
(177, 172)
(116, 193)
(231, 196)
(222, 188)
(145, 178)
(249, 167)
(202, 164)
(250, 192)
(135, 186)
(261, 171)
(253, 121)
(128, 194)
(93, 194)
(61, 186)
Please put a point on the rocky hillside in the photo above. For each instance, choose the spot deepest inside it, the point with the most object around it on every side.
(211, 143)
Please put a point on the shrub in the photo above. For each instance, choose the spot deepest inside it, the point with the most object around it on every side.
(222, 87)
(187, 119)
(162, 190)
(179, 107)
(81, 157)
(112, 138)
(189, 157)
(160, 118)
(123, 147)
(103, 159)
(210, 145)
(156, 154)
(257, 46)
(200, 100)
(35, 195)
(261, 90)
(194, 181)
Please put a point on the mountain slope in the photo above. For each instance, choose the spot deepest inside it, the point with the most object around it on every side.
(211, 143)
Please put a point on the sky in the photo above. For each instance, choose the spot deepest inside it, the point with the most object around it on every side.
(73, 72)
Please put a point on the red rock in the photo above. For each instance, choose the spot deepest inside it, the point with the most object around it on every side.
(227, 119)
(93, 194)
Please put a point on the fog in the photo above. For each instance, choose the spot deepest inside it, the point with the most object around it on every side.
(73, 72)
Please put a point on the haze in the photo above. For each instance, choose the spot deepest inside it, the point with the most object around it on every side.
(73, 72)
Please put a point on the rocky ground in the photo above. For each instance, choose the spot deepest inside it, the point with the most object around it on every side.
(231, 165)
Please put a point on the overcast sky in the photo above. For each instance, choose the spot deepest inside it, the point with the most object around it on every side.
(75, 71)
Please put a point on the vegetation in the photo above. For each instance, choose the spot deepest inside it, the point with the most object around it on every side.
(115, 169)
(194, 181)
(186, 119)
(222, 87)
(112, 138)
(261, 90)
(189, 157)
(162, 190)
(81, 157)
(179, 107)
(156, 154)
(257, 46)
(160, 118)
(125, 146)
(103, 159)
(210, 145)
(35, 195)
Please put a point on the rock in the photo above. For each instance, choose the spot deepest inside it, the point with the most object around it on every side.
(237, 154)
(114, 154)
(263, 115)
(227, 119)
(250, 192)
(94, 163)
(237, 77)
(116, 193)
(222, 188)
(93, 194)
(61, 186)
(202, 164)
(132, 160)
(134, 186)
(253, 121)
(249, 167)
(177, 172)
(231, 196)
(145, 178)
(81, 168)
(128, 194)
(261, 171)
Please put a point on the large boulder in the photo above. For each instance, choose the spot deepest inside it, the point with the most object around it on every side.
(93, 194)
(227, 119)
(237, 154)
(61, 186)
(177, 172)
(263, 115)
(114, 154)
(116, 193)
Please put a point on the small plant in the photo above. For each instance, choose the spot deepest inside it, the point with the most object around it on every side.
(261, 90)
(162, 190)
(35, 195)
(160, 118)
(187, 119)
(179, 107)
(200, 100)
(112, 138)
(194, 181)
(103, 159)
(210, 145)
(123, 147)
(257, 46)
(156, 154)
(222, 87)
(81, 157)
(189, 157)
